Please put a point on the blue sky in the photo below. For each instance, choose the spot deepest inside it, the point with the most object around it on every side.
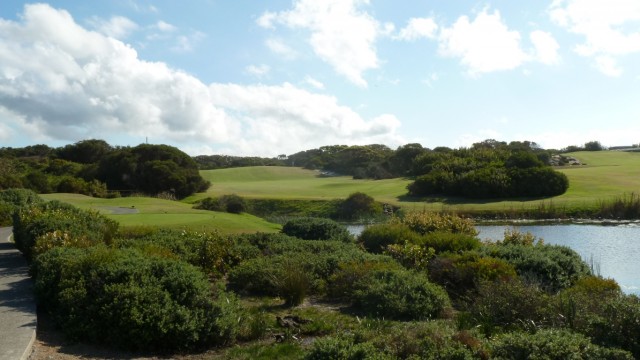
(264, 78)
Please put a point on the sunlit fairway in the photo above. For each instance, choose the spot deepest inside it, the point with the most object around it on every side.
(144, 211)
(275, 182)
(607, 174)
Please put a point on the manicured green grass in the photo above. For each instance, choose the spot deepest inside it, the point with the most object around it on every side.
(608, 174)
(165, 213)
(275, 182)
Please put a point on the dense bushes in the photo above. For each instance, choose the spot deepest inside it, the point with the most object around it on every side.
(357, 206)
(233, 203)
(376, 238)
(552, 345)
(488, 170)
(32, 224)
(551, 266)
(129, 300)
(316, 229)
(400, 294)
(213, 253)
(13, 199)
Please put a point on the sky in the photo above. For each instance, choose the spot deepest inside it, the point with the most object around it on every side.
(263, 78)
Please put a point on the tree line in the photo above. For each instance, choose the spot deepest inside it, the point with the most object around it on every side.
(95, 168)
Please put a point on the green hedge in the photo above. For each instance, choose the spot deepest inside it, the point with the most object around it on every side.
(123, 298)
(316, 229)
(80, 226)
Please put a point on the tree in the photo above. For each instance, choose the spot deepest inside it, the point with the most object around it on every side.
(593, 146)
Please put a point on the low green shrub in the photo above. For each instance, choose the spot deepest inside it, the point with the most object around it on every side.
(402, 295)
(427, 222)
(269, 254)
(376, 238)
(509, 305)
(32, 222)
(551, 344)
(122, 298)
(13, 199)
(460, 274)
(316, 229)
(343, 348)
(359, 206)
(616, 324)
(437, 339)
(352, 274)
(553, 267)
(212, 252)
(449, 242)
(233, 203)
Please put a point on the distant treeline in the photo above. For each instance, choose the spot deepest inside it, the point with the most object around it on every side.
(93, 167)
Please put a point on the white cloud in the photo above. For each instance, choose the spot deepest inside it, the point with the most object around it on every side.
(279, 47)
(118, 27)
(610, 28)
(608, 66)
(431, 79)
(258, 70)
(289, 119)
(61, 81)
(341, 34)
(165, 27)
(186, 43)
(483, 45)
(418, 28)
(546, 47)
(313, 82)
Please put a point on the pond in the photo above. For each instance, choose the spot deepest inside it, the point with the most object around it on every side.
(613, 250)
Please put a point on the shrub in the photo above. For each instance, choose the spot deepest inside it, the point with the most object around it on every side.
(29, 223)
(424, 340)
(460, 274)
(616, 324)
(125, 299)
(351, 274)
(234, 204)
(12, 199)
(359, 205)
(551, 344)
(411, 256)
(514, 237)
(316, 229)
(401, 294)
(343, 348)
(210, 251)
(577, 305)
(377, 237)
(441, 241)
(509, 305)
(428, 222)
(267, 255)
(553, 267)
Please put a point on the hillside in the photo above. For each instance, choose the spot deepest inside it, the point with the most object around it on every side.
(607, 174)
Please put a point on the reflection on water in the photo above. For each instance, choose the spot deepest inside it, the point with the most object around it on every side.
(614, 250)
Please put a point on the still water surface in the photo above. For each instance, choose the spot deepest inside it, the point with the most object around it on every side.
(614, 250)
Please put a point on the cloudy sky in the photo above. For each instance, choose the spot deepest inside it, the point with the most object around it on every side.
(275, 77)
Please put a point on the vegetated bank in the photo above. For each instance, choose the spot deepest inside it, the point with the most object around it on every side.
(420, 286)
(605, 188)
